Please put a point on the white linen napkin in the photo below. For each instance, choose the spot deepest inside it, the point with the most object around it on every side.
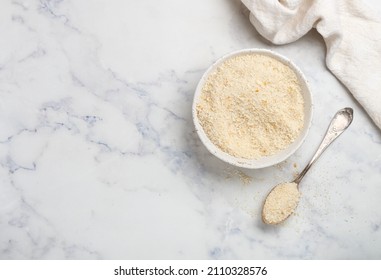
(351, 31)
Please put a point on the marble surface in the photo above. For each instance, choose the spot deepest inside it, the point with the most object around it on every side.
(99, 158)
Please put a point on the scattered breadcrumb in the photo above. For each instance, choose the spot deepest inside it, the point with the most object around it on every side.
(244, 178)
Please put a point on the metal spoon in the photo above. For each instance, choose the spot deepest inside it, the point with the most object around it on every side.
(283, 207)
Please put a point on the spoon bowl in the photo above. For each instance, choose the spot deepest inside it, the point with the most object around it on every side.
(280, 203)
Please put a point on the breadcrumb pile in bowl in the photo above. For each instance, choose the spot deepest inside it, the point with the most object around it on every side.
(252, 108)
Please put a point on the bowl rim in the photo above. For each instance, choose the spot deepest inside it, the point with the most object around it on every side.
(263, 161)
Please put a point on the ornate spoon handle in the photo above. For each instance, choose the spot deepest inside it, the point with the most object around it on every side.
(338, 125)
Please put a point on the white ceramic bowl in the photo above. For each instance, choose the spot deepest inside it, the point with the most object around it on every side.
(268, 160)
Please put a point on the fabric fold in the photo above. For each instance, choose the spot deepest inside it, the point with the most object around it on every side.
(351, 31)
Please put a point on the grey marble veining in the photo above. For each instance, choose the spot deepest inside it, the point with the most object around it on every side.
(99, 158)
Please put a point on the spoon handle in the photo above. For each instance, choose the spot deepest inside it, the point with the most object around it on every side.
(338, 125)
